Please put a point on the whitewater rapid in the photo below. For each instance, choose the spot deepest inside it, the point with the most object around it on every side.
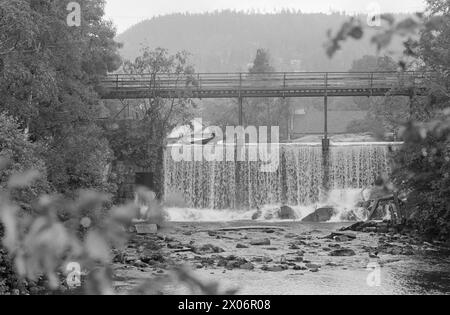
(343, 201)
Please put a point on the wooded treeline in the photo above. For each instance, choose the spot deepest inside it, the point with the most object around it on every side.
(226, 41)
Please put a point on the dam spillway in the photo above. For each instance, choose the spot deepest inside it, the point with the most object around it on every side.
(298, 180)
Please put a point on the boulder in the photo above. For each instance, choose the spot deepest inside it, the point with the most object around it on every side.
(299, 268)
(150, 257)
(320, 215)
(208, 249)
(312, 266)
(276, 268)
(343, 252)
(140, 264)
(247, 266)
(342, 236)
(260, 242)
(257, 215)
(287, 213)
(241, 246)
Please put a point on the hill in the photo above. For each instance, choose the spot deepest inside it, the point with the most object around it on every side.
(227, 40)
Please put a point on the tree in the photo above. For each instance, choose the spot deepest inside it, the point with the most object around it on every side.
(261, 63)
(422, 166)
(385, 114)
(18, 154)
(264, 111)
(370, 63)
(50, 70)
(82, 161)
(142, 141)
(49, 74)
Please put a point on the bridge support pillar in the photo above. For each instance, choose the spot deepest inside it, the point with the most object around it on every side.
(241, 112)
(326, 165)
(325, 112)
(326, 147)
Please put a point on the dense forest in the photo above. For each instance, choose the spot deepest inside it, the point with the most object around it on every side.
(227, 41)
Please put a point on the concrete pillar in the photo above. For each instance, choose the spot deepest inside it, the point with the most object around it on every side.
(241, 112)
(326, 164)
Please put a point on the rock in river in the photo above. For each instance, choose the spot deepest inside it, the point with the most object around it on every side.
(320, 215)
(247, 266)
(260, 242)
(287, 213)
(343, 252)
(257, 215)
(276, 268)
(208, 249)
(312, 266)
(342, 236)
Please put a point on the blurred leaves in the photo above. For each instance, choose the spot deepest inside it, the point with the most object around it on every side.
(350, 29)
(23, 180)
(354, 28)
(97, 247)
(421, 166)
(40, 244)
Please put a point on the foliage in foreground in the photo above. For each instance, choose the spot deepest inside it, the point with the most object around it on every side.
(422, 165)
(422, 169)
(48, 77)
(41, 253)
(41, 245)
(21, 155)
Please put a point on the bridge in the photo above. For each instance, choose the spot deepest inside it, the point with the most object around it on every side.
(272, 84)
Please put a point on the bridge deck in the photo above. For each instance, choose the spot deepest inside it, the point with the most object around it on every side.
(275, 84)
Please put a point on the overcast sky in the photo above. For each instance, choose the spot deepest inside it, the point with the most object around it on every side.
(125, 13)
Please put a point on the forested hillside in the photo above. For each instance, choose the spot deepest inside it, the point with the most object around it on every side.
(227, 41)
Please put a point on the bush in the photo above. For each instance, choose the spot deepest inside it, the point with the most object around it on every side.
(81, 160)
(19, 154)
(422, 170)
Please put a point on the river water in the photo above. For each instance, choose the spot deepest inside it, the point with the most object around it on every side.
(205, 196)
(427, 271)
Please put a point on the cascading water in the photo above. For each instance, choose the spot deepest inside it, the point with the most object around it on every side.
(216, 191)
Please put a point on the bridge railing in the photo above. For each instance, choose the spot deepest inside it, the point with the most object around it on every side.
(273, 80)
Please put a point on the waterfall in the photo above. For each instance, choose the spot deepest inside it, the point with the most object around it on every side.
(298, 181)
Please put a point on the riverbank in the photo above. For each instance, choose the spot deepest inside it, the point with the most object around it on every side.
(284, 258)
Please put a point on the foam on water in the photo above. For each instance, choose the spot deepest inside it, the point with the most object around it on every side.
(343, 201)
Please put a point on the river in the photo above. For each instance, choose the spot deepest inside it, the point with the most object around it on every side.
(424, 271)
